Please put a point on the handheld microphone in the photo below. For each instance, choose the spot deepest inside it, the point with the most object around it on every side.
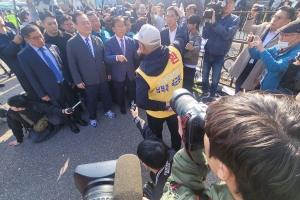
(128, 178)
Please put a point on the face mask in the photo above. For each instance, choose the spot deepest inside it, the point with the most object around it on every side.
(284, 45)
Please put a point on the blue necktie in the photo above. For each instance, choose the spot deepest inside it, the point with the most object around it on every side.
(52, 66)
(122, 46)
(88, 45)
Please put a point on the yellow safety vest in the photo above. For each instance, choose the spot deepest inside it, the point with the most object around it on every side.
(163, 86)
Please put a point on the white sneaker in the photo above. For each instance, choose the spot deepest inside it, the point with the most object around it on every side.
(110, 114)
(93, 123)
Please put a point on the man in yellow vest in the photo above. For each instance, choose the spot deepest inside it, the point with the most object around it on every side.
(159, 74)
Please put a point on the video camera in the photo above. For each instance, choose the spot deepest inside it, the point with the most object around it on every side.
(216, 6)
(193, 118)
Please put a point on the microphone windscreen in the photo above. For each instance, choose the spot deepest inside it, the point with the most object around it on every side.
(128, 178)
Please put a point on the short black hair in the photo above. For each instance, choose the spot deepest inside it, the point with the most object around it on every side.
(192, 6)
(153, 153)
(18, 101)
(46, 13)
(29, 28)
(39, 25)
(64, 18)
(140, 22)
(290, 11)
(117, 19)
(173, 8)
(91, 13)
(195, 19)
(161, 5)
(23, 15)
(75, 15)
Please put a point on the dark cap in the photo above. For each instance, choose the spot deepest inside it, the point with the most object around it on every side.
(292, 27)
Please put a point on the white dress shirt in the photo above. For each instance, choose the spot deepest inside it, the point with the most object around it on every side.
(90, 43)
(119, 41)
(172, 35)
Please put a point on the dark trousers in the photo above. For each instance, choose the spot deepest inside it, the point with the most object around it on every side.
(241, 79)
(67, 98)
(120, 90)
(188, 78)
(91, 92)
(156, 126)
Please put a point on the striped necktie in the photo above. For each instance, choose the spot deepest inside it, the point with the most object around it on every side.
(88, 45)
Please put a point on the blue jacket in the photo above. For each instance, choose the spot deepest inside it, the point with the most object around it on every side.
(104, 35)
(220, 34)
(274, 63)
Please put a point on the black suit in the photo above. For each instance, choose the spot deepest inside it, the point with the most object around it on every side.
(165, 37)
(43, 79)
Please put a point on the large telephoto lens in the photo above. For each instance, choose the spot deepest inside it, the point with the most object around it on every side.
(182, 101)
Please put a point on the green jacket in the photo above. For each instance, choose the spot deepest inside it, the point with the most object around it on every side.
(186, 172)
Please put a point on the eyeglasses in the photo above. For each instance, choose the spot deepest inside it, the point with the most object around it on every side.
(278, 17)
(36, 38)
(281, 35)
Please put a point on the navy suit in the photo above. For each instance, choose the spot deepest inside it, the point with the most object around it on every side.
(43, 79)
(165, 38)
(122, 73)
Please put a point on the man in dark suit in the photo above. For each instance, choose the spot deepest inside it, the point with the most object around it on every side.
(85, 55)
(168, 34)
(42, 65)
(120, 52)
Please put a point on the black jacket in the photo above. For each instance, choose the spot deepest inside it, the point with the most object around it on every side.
(154, 64)
(288, 79)
(34, 112)
(159, 179)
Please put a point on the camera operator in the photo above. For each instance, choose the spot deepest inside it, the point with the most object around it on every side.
(247, 70)
(219, 29)
(290, 82)
(254, 149)
(155, 155)
(276, 59)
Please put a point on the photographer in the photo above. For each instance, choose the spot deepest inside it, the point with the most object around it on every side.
(276, 59)
(219, 29)
(155, 155)
(26, 113)
(254, 149)
(289, 82)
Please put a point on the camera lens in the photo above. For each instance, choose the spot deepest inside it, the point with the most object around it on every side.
(182, 101)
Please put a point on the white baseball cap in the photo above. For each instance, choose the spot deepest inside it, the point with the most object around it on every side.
(148, 35)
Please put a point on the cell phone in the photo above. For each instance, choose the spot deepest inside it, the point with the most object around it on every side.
(72, 109)
(191, 42)
(133, 105)
(260, 8)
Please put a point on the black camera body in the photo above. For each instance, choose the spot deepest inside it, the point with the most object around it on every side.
(95, 180)
(216, 6)
(193, 118)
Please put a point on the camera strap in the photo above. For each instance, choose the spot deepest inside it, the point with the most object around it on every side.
(184, 120)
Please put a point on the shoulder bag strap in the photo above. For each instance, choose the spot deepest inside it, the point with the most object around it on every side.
(26, 119)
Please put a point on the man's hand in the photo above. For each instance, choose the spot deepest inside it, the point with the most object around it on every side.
(65, 111)
(63, 6)
(109, 77)
(168, 105)
(121, 58)
(18, 39)
(189, 47)
(139, 52)
(46, 98)
(254, 10)
(14, 143)
(258, 43)
(181, 14)
(134, 113)
(81, 85)
(153, 10)
(213, 18)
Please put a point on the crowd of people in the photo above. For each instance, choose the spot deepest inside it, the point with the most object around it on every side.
(63, 55)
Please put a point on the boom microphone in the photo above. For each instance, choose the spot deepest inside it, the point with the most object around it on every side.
(128, 178)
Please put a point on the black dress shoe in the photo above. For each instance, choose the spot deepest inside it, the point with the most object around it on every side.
(74, 128)
(123, 110)
(81, 122)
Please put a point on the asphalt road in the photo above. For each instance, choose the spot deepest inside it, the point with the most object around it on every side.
(44, 171)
